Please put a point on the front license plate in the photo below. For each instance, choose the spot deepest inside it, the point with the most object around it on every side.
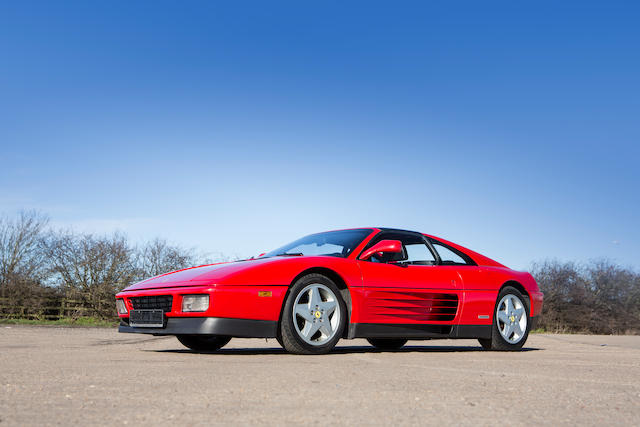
(146, 318)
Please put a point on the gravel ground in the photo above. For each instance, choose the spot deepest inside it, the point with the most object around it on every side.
(62, 376)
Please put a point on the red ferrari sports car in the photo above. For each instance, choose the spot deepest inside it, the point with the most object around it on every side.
(385, 285)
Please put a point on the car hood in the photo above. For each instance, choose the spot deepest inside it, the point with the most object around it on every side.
(213, 273)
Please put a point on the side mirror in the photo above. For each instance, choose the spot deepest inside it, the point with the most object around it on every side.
(383, 246)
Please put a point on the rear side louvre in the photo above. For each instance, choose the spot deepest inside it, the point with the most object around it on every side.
(416, 306)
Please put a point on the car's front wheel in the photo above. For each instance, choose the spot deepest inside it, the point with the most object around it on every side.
(313, 317)
(204, 342)
(511, 322)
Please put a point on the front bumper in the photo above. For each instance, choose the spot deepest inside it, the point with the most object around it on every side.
(537, 300)
(241, 328)
(225, 301)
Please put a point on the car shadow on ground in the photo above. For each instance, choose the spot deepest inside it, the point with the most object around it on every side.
(341, 350)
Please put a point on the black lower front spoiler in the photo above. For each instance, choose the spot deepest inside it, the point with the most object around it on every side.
(241, 328)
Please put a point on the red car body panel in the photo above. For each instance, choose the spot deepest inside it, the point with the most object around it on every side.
(376, 293)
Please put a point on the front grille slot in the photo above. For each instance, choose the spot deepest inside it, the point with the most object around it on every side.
(154, 302)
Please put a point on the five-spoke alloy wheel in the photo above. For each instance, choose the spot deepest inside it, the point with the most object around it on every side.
(511, 318)
(313, 317)
(511, 322)
(316, 313)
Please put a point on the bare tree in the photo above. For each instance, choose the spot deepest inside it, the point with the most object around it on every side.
(22, 267)
(616, 291)
(601, 297)
(92, 268)
(158, 257)
(41, 270)
(19, 244)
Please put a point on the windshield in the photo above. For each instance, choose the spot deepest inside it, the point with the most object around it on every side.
(332, 243)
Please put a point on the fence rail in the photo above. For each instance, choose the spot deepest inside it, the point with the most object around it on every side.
(55, 310)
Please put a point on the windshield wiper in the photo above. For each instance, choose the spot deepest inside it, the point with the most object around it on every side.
(290, 254)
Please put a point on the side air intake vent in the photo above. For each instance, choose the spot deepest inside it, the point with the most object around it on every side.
(416, 306)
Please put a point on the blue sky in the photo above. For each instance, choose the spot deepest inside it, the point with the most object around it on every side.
(509, 127)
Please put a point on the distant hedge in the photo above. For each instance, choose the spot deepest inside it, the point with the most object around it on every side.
(598, 298)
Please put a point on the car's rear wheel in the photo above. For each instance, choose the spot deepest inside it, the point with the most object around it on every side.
(387, 343)
(204, 342)
(511, 323)
(313, 317)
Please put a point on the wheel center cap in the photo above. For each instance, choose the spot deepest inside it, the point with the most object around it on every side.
(317, 314)
(512, 318)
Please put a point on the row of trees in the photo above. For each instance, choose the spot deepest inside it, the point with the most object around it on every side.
(40, 267)
(600, 298)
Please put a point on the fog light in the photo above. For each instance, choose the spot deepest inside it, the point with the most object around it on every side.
(122, 308)
(195, 303)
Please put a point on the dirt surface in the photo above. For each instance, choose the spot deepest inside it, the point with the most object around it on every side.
(68, 376)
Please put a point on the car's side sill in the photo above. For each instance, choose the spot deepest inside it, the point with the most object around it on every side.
(248, 328)
(242, 328)
(417, 331)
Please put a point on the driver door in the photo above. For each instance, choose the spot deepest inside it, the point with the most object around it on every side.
(410, 288)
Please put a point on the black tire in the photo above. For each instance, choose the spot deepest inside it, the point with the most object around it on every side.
(204, 343)
(485, 342)
(387, 343)
(497, 341)
(280, 341)
(289, 337)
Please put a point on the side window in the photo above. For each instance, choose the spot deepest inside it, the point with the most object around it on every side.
(449, 256)
(415, 251)
(419, 253)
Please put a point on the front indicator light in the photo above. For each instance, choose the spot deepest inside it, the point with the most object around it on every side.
(122, 308)
(192, 303)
